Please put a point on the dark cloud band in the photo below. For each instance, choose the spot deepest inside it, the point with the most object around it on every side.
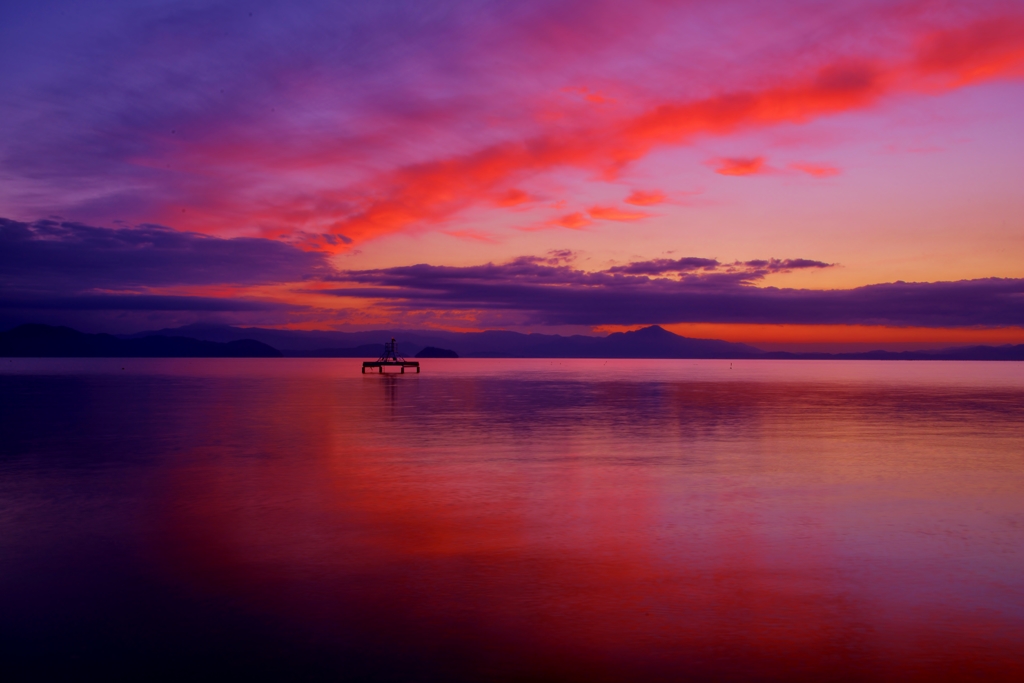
(562, 296)
(60, 266)
(64, 257)
(141, 302)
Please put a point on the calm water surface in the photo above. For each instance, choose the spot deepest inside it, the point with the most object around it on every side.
(563, 520)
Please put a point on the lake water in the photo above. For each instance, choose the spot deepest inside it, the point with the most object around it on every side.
(566, 520)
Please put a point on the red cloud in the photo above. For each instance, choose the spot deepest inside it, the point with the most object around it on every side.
(512, 197)
(610, 213)
(424, 194)
(816, 170)
(432, 192)
(640, 198)
(837, 87)
(977, 52)
(739, 165)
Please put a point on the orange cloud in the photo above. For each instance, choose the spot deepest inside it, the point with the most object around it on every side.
(573, 221)
(590, 96)
(475, 235)
(640, 198)
(816, 170)
(610, 213)
(739, 165)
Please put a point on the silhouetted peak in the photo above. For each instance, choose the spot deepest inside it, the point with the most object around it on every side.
(652, 331)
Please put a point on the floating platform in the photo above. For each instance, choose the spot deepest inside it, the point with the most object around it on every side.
(380, 365)
(390, 359)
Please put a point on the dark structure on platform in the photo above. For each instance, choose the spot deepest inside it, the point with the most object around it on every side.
(390, 359)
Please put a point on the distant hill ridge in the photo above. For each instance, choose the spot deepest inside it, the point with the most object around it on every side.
(224, 341)
(649, 342)
(44, 341)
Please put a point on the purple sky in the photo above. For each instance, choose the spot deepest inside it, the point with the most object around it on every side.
(558, 166)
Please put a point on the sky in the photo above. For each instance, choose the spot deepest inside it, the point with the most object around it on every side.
(794, 174)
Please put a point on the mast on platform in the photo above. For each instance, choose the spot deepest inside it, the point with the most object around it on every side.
(390, 358)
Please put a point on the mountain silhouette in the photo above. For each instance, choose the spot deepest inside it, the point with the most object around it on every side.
(40, 341)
